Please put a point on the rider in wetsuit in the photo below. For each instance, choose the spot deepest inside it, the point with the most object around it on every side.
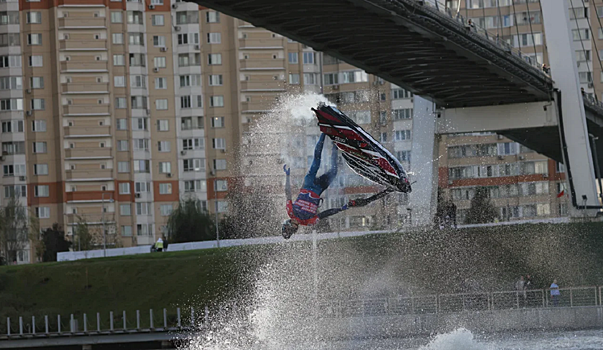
(304, 211)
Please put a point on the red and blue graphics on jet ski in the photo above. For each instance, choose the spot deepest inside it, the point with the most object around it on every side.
(366, 156)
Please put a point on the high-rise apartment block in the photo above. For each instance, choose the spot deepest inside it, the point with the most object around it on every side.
(113, 111)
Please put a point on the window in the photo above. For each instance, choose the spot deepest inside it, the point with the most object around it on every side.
(10, 61)
(140, 187)
(158, 41)
(195, 185)
(353, 77)
(120, 103)
(136, 38)
(191, 123)
(123, 167)
(216, 101)
(579, 12)
(43, 212)
(331, 79)
(38, 125)
(405, 113)
(37, 104)
(135, 17)
(117, 17)
(165, 167)
(157, 20)
(188, 39)
(214, 58)
(193, 165)
(309, 57)
(163, 125)
(215, 79)
(582, 55)
(138, 81)
(141, 144)
(125, 209)
(10, 40)
(219, 143)
(161, 104)
(212, 17)
(401, 135)
(36, 61)
(220, 185)
(15, 191)
(220, 164)
(11, 104)
(403, 156)
(293, 57)
(41, 191)
(123, 145)
(165, 188)
(36, 82)
(221, 206)
(39, 147)
(126, 231)
(41, 169)
(159, 62)
(156, 2)
(581, 34)
(119, 81)
(14, 169)
(122, 124)
(217, 122)
(119, 60)
(185, 102)
(34, 17)
(310, 79)
(293, 78)
(166, 209)
(138, 102)
(193, 144)
(214, 38)
(141, 166)
(190, 80)
(160, 83)
(11, 83)
(163, 146)
(12, 126)
(124, 188)
(34, 39)
(142, 209)
(585, 77)
(137, 60)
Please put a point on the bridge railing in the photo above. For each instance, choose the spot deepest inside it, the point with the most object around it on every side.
(471, 26)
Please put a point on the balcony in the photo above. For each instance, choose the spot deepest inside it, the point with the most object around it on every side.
(85, 88)
(75, 175)
(277, 64)
(91, 218)
(268, 85)
(98, 44)
(89, 66)
(255, 107)
(88, 22)
(83, 131)
(86, 110)
(88, 153)
(270, 43)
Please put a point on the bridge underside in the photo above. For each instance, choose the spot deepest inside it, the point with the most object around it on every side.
(408, 44)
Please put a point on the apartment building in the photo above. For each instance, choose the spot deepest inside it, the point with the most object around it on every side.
(521, 183)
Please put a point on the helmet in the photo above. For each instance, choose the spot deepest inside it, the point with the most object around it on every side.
(289, 228)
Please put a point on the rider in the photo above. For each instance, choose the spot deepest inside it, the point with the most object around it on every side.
(304, 211)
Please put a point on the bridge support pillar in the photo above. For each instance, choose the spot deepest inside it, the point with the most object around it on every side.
(576, 149)
(424, 163)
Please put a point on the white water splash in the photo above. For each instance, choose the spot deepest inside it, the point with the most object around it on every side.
(459, 339)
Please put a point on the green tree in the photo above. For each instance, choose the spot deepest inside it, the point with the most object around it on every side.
(14, 229)
(482, 210)
(53, 239)
(83, 237)
(190, 223)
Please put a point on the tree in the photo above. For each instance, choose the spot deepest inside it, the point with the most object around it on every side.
(14, 229)
(83, 238)
(53, 239)
(482, 210)
(190, 223)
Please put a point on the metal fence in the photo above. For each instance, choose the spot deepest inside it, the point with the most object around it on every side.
(463, 302)
(178, 320)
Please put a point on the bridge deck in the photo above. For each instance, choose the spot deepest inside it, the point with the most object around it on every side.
(412, 45)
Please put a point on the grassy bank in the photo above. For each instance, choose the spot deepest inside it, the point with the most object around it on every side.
(435, 262)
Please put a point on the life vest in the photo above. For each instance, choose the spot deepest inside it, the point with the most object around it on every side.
(305, 208)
